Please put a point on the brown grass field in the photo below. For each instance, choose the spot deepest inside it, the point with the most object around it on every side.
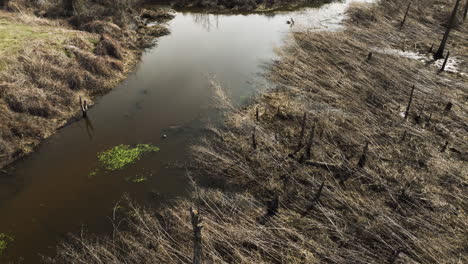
(331, 172)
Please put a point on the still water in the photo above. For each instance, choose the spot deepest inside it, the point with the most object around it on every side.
(50, 193)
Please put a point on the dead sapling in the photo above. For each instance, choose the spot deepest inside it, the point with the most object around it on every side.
(301, 135)
(409, 103)
(440, 51)
(403, 138)
(84, 107)
(429, 119)
(197, 236)
(315, 200)
(308, 150)
(419, 117)
(448, 107)
(406, 15)
(280, 114)
(444, 148)
(431, 48)
(445, 62)
(256, 114)
(363, 159)
(272, 210)
(254, 140)
(466, 10)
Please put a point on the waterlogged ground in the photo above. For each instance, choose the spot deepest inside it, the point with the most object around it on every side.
(76, 178)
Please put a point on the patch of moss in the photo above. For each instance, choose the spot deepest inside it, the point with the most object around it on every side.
(119, 156)
(4, 241)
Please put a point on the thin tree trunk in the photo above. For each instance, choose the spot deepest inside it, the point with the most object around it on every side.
(406, 14)
(301, 136)
(440, 52)
(466, 9)
(197, 237)
(68, 7)
(409, 103)
(445, 61)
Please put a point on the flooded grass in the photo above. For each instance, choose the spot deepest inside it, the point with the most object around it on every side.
(137, 179)
(120, 156)
(5, 240)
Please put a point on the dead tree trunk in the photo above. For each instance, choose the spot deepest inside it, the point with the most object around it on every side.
(68, 6)
(448, 107)
(254, 140)
(315, 200)
(409, 103)
(273, 206)
(363, 159)
(444, 148)
(466, 9)
(301, 136)
(431, 48)
(404, 136)
(445, 62)
(310, 142)
(84, 107)
(406, 14)
(440, 52)
(197, 237)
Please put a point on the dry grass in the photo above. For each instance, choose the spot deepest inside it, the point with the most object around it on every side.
(404, 201)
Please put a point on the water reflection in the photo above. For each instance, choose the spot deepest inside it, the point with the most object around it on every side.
(207, 21)
(89, 127)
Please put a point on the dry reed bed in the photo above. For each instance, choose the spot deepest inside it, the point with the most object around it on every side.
(402, 199)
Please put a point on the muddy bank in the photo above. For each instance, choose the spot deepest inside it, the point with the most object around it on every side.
(48, 64)
(325, 168)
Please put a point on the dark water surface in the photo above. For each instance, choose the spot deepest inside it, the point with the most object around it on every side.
(50, 193)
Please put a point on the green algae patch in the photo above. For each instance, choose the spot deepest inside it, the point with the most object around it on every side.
(120, 156)
(4, 241)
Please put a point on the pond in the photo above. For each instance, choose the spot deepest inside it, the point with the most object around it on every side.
(166, 102)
